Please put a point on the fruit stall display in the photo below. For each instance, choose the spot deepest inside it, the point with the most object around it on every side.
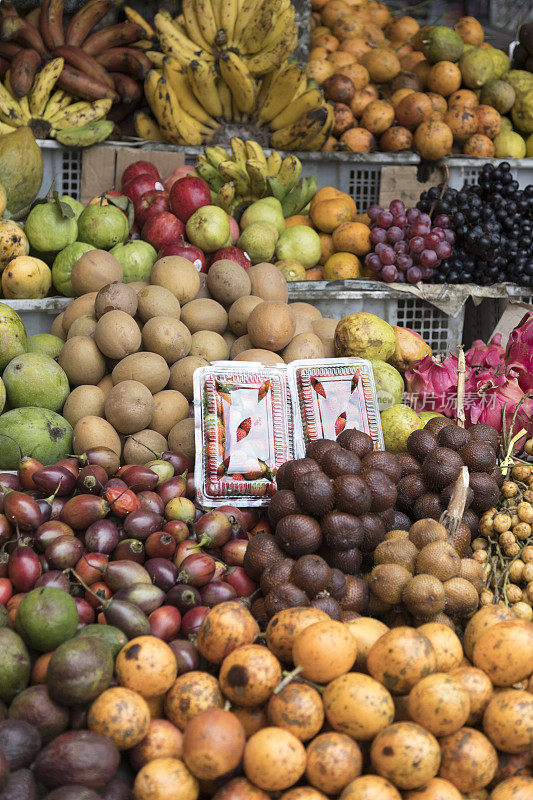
(374, 78)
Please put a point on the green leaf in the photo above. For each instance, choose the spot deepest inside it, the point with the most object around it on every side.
(66, 211)
(121, 202)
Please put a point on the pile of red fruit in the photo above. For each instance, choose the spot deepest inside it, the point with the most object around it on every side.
(162, 210)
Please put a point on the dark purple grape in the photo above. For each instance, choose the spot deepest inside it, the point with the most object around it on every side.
(402, 248)
(443, 250)
(394, 234)
(385, 219)
(397, 207)
(403, 262)
(416, 244)
(414, 274)
(389, 273)
(442, 221)
(378, 235)
(373, 262)
(431, 240)
(428, 258)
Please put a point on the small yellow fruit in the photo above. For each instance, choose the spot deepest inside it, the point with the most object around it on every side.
(26, 277)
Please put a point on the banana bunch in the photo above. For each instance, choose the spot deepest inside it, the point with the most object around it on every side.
(244, 175)
(189, 99)
(51, 112)
(105, 64)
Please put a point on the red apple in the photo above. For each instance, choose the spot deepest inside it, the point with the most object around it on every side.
(151, 203)
(231, 253)
(234, 229)
(179, 172)
(140, 168)
(162, 228)
(136, 187)
(187, 195)
(189, 251)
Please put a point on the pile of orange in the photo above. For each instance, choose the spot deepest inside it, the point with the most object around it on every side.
(344, 235)
(385, 94)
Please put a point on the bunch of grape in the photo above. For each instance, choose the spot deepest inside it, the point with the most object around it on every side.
(408, 246)
(493, 225)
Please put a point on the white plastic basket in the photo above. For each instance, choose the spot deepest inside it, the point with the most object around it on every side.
(62, 168)
(340, 298)
(38, 315)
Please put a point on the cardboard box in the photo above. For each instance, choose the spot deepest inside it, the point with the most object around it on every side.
(402, 181)
(102, 166)
(510, 319)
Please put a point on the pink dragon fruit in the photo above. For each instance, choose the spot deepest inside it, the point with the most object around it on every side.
(487, 393)
(433, 385)
(486, 355)
(519, 354)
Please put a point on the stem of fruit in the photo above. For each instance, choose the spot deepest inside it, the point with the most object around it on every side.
(290, 676)
(103, 602)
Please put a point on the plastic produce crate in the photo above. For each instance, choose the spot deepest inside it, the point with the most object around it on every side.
(62, 168)
(340, 298)
(510, 14)
(38, 315)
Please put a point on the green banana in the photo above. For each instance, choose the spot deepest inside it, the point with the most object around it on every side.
(210, 175)
(86, 135)
(290, 171)
(214, 157)
(299, 196)
(276, 187)
(226, 196)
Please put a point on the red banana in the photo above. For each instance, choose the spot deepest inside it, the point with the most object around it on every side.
(4, 66)
(127, 88)
(34, 17)
(9, 50)
(51, 23)
(14, 29)
(113, 36)
(23, 69)
(84, 21)
(79, 59)
(81, 85)
(126, 59)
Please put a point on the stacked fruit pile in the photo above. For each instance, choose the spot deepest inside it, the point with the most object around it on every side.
(225, 63)
(159, 725)
(60, 80)
(492, 222)
(396, 86)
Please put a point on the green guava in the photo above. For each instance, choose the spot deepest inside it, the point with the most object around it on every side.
(268, 209)
(38, 432)
(103, 226)
(398, 422)
(35, 379)
(136, 259)
(48, 231)
(300, 242)
(12, 335)
(389, 384)
(75, 205)
(44, 343)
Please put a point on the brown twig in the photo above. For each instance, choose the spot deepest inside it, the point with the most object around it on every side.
(461, 379)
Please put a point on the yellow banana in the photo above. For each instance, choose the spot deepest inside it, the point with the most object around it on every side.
(139, 20)
(281, 93)
(319, 140)
(10, 111)
(226, 195)
(43, 84)
(231, 171)
(25, 109)
(303, 131)
(206, 21)
(238, 151)
(255, 151)
(235, 73)
(224, 95)
(203, 81)
(273, 163)
(269, 58)
(306, 102)
(257, 173)
(246, 14)
(284, 22)
(176, 126)
(7, 84)
(176, 75)
(173, 40)
(192, 25)
(80, 113)
(58, 101)
(155, 57)
(147, 128)
(256, 32)
(6, 128)
(228, 12)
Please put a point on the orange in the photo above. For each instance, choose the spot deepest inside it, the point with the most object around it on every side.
(341, 59)
(314, 274)
(363, 218)
(358, 140)
(352, 237)
(325, 39)
(356, 45)
(342, 266)
(298, 219)
(319, 53)
(326, 243)
(330, 207)
(319, 70)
